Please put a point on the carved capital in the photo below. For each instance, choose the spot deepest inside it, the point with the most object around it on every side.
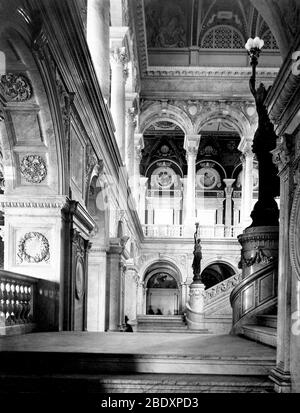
(118, 55)
(191, 145)
(281, 154)
(132, 116)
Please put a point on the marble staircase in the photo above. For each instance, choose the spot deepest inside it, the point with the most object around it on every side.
(133, 362)
(163, 324)
(264, 331)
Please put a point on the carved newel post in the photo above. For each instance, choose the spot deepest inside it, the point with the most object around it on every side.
(195, 307)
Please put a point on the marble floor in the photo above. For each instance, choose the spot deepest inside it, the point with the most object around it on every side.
(175, 344)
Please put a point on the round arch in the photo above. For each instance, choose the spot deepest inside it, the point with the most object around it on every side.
(232, 116)
(216, 272)
(170, 113)
(162, 289)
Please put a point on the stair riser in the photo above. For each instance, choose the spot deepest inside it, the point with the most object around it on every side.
(268, 339)
(56, 386)
(272, 323)
(92, 364)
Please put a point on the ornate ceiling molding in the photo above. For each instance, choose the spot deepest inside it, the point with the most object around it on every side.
(141, 35)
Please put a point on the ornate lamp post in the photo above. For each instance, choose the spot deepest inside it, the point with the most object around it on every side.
(265, 212)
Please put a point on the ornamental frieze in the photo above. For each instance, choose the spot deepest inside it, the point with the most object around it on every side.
(33, 248)
(33, 168)
(16, 87)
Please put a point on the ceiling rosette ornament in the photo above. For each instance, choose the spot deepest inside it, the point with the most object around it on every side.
(34, 248)
(33, 168)
(16, 87)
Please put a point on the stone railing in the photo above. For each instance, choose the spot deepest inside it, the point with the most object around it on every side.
(153, 193)
(27, 303)
(163, 231)
(177, 231)
(218, 290)
(16, 299)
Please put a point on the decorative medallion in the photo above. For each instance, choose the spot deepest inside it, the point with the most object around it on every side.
(208, 178)
(79, 280)
(163, 177)
(34, 248)
(33, 168)
(16, 87)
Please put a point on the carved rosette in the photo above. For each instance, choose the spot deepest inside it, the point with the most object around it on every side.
(16, 87)
(33, 248)
(33, 168)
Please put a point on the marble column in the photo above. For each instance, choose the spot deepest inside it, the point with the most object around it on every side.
(142, 202)
(118, 78)
(114, 275)
(98, 40)
(131, 290)
(138, 147)
(247, 185)
(281, 374)
(140, 298)
(228, 206)
(131, 122)
(191, 145)
(96, 289)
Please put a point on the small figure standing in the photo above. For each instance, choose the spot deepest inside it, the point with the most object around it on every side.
(197, 256)
(128, 328)
(150, 310)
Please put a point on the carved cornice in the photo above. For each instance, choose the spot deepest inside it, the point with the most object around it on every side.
(141, 35)
(216, 72)
(291, 89)
(6, 202)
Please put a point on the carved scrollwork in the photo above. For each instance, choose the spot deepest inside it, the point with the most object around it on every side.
(34, 248)
(16, 87)
(33, 168)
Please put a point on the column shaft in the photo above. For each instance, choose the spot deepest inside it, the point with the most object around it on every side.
(98, 40)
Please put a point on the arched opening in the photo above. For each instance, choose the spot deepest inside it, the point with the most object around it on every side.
(162, 290)
(216, 273)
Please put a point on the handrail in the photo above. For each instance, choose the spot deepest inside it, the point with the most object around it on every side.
(222, 287)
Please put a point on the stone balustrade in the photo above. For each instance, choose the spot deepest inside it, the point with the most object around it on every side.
(177, 231)
(213, 293)
(27, 303)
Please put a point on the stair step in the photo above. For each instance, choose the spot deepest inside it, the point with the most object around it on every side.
(119, 363)
(164, 330)
(135, 383)
(267, 320)
(262, 334)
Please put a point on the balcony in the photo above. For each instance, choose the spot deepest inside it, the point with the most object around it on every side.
(177, 231)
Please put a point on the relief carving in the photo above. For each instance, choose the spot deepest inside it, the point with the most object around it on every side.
(16, 87)
(33, 168)
(33, 248)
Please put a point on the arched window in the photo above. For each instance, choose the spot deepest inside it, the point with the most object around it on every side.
(222, 37)
(270, 41)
